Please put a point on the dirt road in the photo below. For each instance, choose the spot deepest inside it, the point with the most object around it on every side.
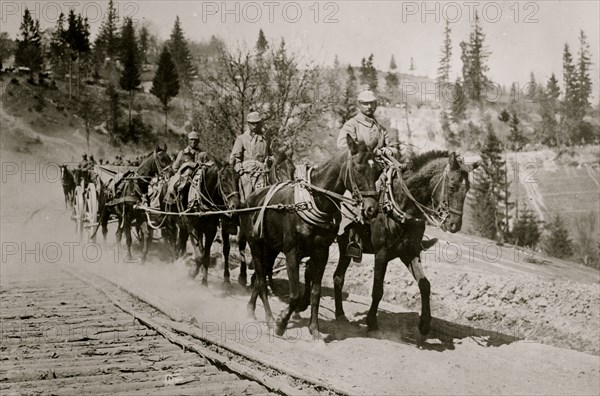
(455, 358)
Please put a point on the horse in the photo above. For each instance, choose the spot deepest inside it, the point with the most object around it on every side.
(281, 170)
(213, 188)
(438, 178)
(68, 185)
(129, 191)
(308, 232)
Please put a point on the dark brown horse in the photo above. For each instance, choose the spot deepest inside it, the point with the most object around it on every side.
(306, 233)
(438, 179)
(68, 185)
(129, 191)
(213, 188)
(281, 170)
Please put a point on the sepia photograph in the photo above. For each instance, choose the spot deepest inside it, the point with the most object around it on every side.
(305, 197)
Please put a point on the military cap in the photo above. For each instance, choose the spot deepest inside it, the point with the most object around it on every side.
(194, 135)
(367, 96)
(254, 117)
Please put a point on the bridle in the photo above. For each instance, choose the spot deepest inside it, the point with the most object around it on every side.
(357, 194)
(439, 211)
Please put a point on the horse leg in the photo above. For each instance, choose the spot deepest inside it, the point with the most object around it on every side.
(182, 238)
(226, 250)
(339, 277)
(381, 263)
(293, 264)
(209, 238)
(416, 269)
(319, 263)
(196, 238)
(261, 263)
(127, 230)
(147, 234)
(308, 278)
(243, 277)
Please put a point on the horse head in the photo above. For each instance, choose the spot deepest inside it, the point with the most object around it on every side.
(156, 162)
(282, 169)
(451, 190)
(229, 180)
(361, 175)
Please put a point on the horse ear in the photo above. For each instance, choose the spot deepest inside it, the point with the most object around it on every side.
(165, 147)
(453, 161)
(352, 145)
(470, 167)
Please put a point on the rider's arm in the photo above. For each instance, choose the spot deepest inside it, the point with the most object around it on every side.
(348, 129)
(177, 162)
(391, 145)
(237, 154)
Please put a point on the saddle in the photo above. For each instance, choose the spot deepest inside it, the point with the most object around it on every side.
(179, 181)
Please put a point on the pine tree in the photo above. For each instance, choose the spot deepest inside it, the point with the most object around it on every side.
(58, 51)
(347, 106)
(484, 209)
(261, 44)
(113, 109)
(533, 90)
(368, 73)
(556, 242)
(445, 62)
(76, 40)
(178, 47)
(393, 65)
(336, 62)
(7, 47)
(28, 51)
(570, 100)
(130, 75)
(458, 106)
(582, 75)
(144, 44)
(392, 81)
(495, 174)
(516, 135)
(474, 57)
(526, 230)
(412, 67)
(550, 106)
(107, 44)
(165, 84)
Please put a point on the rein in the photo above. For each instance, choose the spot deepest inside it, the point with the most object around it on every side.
(437, 214)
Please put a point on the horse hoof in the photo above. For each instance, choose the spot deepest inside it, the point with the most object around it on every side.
(315, 335)
(372, 324)
(342, 318)
(242, 280)
(193, 273)
(424, 327)
(205, 282)
(279, 331)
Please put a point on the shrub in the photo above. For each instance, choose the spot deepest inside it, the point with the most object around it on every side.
(556, 242)
(587, 248)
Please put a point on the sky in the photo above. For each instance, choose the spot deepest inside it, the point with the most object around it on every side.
(522, 36)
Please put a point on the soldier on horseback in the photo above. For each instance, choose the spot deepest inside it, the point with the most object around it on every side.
(364, 127)
(185, 164)
(251, 156)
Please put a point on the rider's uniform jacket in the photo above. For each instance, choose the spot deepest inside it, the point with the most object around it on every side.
(365, 129)
(188, 154)
(250, 150)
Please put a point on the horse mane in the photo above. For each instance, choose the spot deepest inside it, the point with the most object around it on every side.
(420, 160)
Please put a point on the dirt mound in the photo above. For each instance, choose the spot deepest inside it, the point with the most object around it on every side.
(560, 313)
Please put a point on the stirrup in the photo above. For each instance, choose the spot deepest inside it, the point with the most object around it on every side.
(355, 251)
